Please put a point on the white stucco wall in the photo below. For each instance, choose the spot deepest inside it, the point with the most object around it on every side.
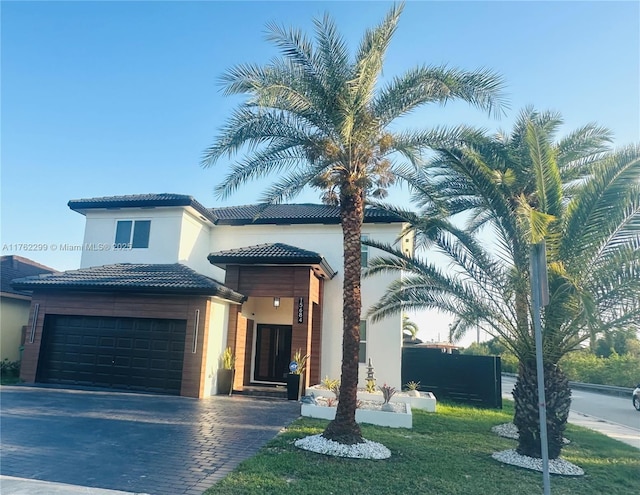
(194, 246)
(100, 231)
(216, 343)
(14, 314)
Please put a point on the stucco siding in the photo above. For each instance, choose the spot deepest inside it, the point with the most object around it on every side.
(100, 229)
(215, 343)
(14, 314)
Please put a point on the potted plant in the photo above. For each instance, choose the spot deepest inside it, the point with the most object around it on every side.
(413, 389)
(226, 371)
(387, 393)
(295, 378)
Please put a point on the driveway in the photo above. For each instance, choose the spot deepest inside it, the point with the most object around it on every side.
(160, 445)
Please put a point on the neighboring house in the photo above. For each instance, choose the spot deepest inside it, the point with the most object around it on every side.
(166, 284)
(15, 304)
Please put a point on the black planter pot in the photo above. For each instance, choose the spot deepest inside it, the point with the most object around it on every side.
(293, 386)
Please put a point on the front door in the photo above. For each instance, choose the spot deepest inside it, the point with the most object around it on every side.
(273, 353)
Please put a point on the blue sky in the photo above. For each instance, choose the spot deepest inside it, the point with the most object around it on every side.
(107, 98)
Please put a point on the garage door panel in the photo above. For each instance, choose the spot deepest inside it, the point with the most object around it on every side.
(127, 353)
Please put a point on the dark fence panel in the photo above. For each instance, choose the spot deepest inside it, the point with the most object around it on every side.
(475, 380)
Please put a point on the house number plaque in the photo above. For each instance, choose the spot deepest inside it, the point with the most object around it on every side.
(300, 310)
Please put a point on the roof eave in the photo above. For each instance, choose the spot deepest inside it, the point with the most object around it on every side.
(226, 294)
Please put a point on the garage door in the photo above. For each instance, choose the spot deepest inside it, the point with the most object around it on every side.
(124, 353)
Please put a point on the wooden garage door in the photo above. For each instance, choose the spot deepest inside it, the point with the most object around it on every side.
(124, 353)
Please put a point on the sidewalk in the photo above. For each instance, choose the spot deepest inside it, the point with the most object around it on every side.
(621, 433)
(20, 486)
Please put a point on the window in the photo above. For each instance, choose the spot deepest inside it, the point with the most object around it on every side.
(362, 353)
(132, 234)
(364, 252)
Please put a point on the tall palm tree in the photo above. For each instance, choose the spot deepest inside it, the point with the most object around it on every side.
(579, 197)
(317, 118)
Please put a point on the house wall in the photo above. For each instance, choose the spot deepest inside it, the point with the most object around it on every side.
(177, 235)
(384, 338)
(194, 241)
(100, 232)
(14, 314)
(136, 306)
(215, 344)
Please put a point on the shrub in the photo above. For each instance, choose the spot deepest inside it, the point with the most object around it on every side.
(9, 369)
(616, 370)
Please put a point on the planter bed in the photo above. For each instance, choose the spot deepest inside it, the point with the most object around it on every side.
(426, 401)
(369, 413)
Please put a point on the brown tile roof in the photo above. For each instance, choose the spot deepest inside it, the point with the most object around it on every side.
(152, 278)
(272, 254)
(12, 267)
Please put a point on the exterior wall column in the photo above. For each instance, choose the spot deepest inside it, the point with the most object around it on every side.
(237, 341)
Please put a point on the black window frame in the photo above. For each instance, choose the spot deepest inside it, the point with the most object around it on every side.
(132, 234)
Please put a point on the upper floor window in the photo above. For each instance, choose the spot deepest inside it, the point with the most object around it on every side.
(132, 234)
(364, 252)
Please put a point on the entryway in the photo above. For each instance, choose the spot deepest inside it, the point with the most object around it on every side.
(273, 353)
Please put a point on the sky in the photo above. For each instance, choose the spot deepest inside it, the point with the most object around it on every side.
(119, 97)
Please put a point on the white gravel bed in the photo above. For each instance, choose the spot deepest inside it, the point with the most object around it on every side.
(556, 466)
(321, 445)
(509, 430)
(398, 407)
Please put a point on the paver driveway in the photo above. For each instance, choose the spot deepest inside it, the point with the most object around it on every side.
(154, 444)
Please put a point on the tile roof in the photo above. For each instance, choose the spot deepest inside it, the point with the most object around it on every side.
(141, 201)
(152, 278)
(12, 267)
(285, 214)
(272, 254)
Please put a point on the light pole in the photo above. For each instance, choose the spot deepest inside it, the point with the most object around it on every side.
(540, 298)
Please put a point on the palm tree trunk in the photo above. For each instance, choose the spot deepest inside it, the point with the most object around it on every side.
(343, 428)
(526, 419)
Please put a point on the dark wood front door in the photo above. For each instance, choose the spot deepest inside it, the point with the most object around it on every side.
(273, 353)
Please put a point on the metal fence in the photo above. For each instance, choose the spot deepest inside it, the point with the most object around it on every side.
(475, 380)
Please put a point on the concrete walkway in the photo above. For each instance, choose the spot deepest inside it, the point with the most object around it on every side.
(20, 486)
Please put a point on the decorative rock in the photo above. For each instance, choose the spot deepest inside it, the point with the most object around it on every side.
(556, 466)
(309, 399)
(321, 445)
(509, 430)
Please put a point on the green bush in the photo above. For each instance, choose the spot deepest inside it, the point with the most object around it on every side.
(616, 370)
(9, 371)
(509, 363)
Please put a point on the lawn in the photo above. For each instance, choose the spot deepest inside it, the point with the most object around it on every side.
(445, 453)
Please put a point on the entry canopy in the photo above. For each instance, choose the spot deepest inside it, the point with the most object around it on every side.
(273, 254)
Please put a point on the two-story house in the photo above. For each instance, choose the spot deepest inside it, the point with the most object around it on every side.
(165, 284)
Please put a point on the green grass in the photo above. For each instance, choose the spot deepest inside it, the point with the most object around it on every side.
(444, 454)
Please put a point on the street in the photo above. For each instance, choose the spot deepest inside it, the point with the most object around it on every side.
(618, 410)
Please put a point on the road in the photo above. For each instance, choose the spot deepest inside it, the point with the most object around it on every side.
(617, 410)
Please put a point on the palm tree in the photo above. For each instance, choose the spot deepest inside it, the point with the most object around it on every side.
(316, 118)
(579, 197)
(409, 327)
